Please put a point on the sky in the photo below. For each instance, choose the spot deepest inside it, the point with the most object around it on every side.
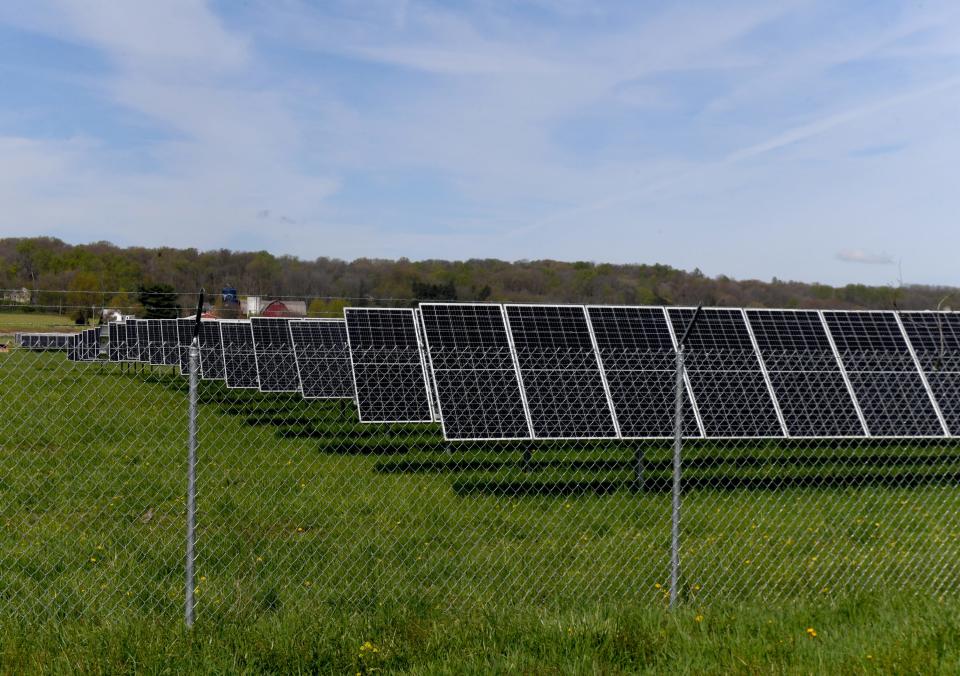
(815, 141)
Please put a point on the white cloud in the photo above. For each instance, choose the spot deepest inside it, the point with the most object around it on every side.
(861, 256)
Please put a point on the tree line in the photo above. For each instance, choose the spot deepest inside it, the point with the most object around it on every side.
(79, 278)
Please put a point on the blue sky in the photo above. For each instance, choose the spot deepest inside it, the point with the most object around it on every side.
(802, 140)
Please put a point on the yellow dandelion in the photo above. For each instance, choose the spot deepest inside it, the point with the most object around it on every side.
(811, 632)
(656, 585)
(698, 618)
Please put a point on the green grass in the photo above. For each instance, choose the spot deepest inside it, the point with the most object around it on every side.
(13, 322)
(311, 545)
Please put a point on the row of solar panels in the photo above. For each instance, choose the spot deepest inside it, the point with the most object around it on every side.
(563, 372)
(41, 341)
(488, 371)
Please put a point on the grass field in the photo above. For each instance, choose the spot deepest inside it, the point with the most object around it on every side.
(318, 535)
(12, 322)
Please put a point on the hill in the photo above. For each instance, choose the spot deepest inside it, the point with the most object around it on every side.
(97, 271)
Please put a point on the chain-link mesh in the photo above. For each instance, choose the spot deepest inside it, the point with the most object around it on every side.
(303, 508)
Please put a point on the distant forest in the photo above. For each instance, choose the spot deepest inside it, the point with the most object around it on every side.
(61, 276)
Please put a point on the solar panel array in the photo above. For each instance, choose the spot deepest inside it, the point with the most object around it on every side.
(489, 371)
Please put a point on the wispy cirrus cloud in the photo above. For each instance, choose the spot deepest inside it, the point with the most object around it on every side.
(682, 134)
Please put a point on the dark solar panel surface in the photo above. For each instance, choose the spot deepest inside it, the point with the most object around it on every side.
(184, 338)
(154, 342)
(276, 364)
(935, 337)
(170, 345)
(477, 389)
(637, 355)
(387, 366)
(883, 374)
(323, 358)
(211, 351)
(143, 341)
(806, 378)
(132, 341)
(725, 375)
(115, 347)
(559, 372)
(239, 360)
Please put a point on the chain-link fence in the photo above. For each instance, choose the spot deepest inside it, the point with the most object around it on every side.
(303, 508)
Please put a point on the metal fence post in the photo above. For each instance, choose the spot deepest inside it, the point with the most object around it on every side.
(677, 449)
(191, 482)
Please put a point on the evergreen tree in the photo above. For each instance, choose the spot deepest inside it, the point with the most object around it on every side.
(159, 301)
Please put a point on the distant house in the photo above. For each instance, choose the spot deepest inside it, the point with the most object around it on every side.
(20, 296)
(258, 305)
(285, 308)
(110, 315)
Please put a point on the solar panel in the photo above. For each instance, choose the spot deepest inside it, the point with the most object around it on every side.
(73, 351)
(115, 348)
(811, 389)
(239, 359)
(91, 344)
(477, 387)
(170, 342)
(154, 342)
(883, 374)
(132, 340)
(559, 372)
(323, 358)
(273, 347)
(184, 338)
(143, 340)
(638, 359)
(211, 351)
(935, 338)
(388, 373)
(729, 386)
